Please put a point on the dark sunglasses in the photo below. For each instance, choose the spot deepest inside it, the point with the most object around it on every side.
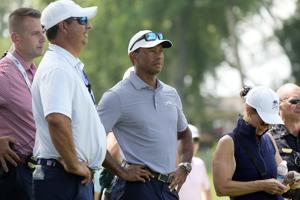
(294, 101)
(80, 20)
(152, 36)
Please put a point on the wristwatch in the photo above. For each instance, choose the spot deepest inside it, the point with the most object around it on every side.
(186, 166)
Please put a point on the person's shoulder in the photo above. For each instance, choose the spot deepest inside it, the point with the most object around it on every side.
(51, 58)
(117, 87)
(7, 69)
(122, 87)
(167, 87)
(226, 140)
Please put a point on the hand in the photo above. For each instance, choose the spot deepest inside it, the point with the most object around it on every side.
(136, 173)
(6, 153)
(80, 169)
(178, 179)
(273, 186)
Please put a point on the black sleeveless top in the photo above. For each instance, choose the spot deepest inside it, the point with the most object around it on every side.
(264, 152)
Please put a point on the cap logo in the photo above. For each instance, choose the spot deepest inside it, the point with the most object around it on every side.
(275, 104)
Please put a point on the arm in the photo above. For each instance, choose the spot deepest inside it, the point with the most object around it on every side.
(61, 135)
(277, 155)
(131, 173)
(185, 146)
(223, 169)
(6, 153)
(113, 147)
(109, 110)
(185, 154)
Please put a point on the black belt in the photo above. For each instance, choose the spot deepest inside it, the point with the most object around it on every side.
(49, 162)
(166, 178)
(55, 163)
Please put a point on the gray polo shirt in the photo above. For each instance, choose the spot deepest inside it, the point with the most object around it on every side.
(145, 121)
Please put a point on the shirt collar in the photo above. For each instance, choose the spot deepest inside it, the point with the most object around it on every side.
(21, 60)
(75, 62)
(140, 84)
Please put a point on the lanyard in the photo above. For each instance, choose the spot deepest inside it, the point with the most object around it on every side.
(88, 85)
(20, 68)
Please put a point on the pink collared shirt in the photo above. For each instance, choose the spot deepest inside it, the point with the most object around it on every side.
(16, 117)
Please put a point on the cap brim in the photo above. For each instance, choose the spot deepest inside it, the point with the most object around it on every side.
(88, 12)
(149, 44)
(270, 118)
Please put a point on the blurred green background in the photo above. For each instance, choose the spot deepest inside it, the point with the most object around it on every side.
(206, 34)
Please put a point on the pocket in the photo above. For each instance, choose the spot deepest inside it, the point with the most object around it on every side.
(38, 173)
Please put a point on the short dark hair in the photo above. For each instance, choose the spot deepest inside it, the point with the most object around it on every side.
(16, 18)
(52, 32)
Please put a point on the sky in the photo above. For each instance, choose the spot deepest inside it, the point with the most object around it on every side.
(263, 62)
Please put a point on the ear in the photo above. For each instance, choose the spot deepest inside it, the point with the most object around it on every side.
(14, 37)
(62, 26)
(132, 57)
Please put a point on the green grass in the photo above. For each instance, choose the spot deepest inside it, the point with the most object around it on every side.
(206, 155)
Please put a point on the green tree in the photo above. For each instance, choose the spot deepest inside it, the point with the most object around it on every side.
(196, 27)
(290, 41)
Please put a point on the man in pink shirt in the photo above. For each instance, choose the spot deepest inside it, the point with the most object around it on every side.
(17, 128)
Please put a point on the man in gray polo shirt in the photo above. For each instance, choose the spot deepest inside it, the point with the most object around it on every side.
(146, 117)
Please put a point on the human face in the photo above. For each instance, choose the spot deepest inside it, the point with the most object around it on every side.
(255, 120)
(149, 61)
(30, 39)
(290, 106)
(77, 34)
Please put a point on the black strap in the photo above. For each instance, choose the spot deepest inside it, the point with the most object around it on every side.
(88, 85)
(262, 172)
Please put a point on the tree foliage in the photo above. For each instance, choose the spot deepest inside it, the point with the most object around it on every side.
(290, 41)
(196, 28)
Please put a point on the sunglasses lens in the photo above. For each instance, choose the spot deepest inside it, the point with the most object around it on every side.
(294, 101)
(160, 36)
(83, 20)
(150, 36)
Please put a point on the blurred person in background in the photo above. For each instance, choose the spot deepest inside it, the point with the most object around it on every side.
(287, 136)
(17, 127)
(245, 161)
(196, 186)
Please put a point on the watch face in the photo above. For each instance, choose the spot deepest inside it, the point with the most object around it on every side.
(187, 166)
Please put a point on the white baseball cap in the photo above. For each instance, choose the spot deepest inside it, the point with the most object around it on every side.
(60, 10)
(266, 103)
(133, 45)
(195, 131)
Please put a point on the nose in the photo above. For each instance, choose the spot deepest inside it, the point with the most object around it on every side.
(89, 26)
(43, 39)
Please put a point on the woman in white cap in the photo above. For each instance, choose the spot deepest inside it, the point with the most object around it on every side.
(245, 162)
